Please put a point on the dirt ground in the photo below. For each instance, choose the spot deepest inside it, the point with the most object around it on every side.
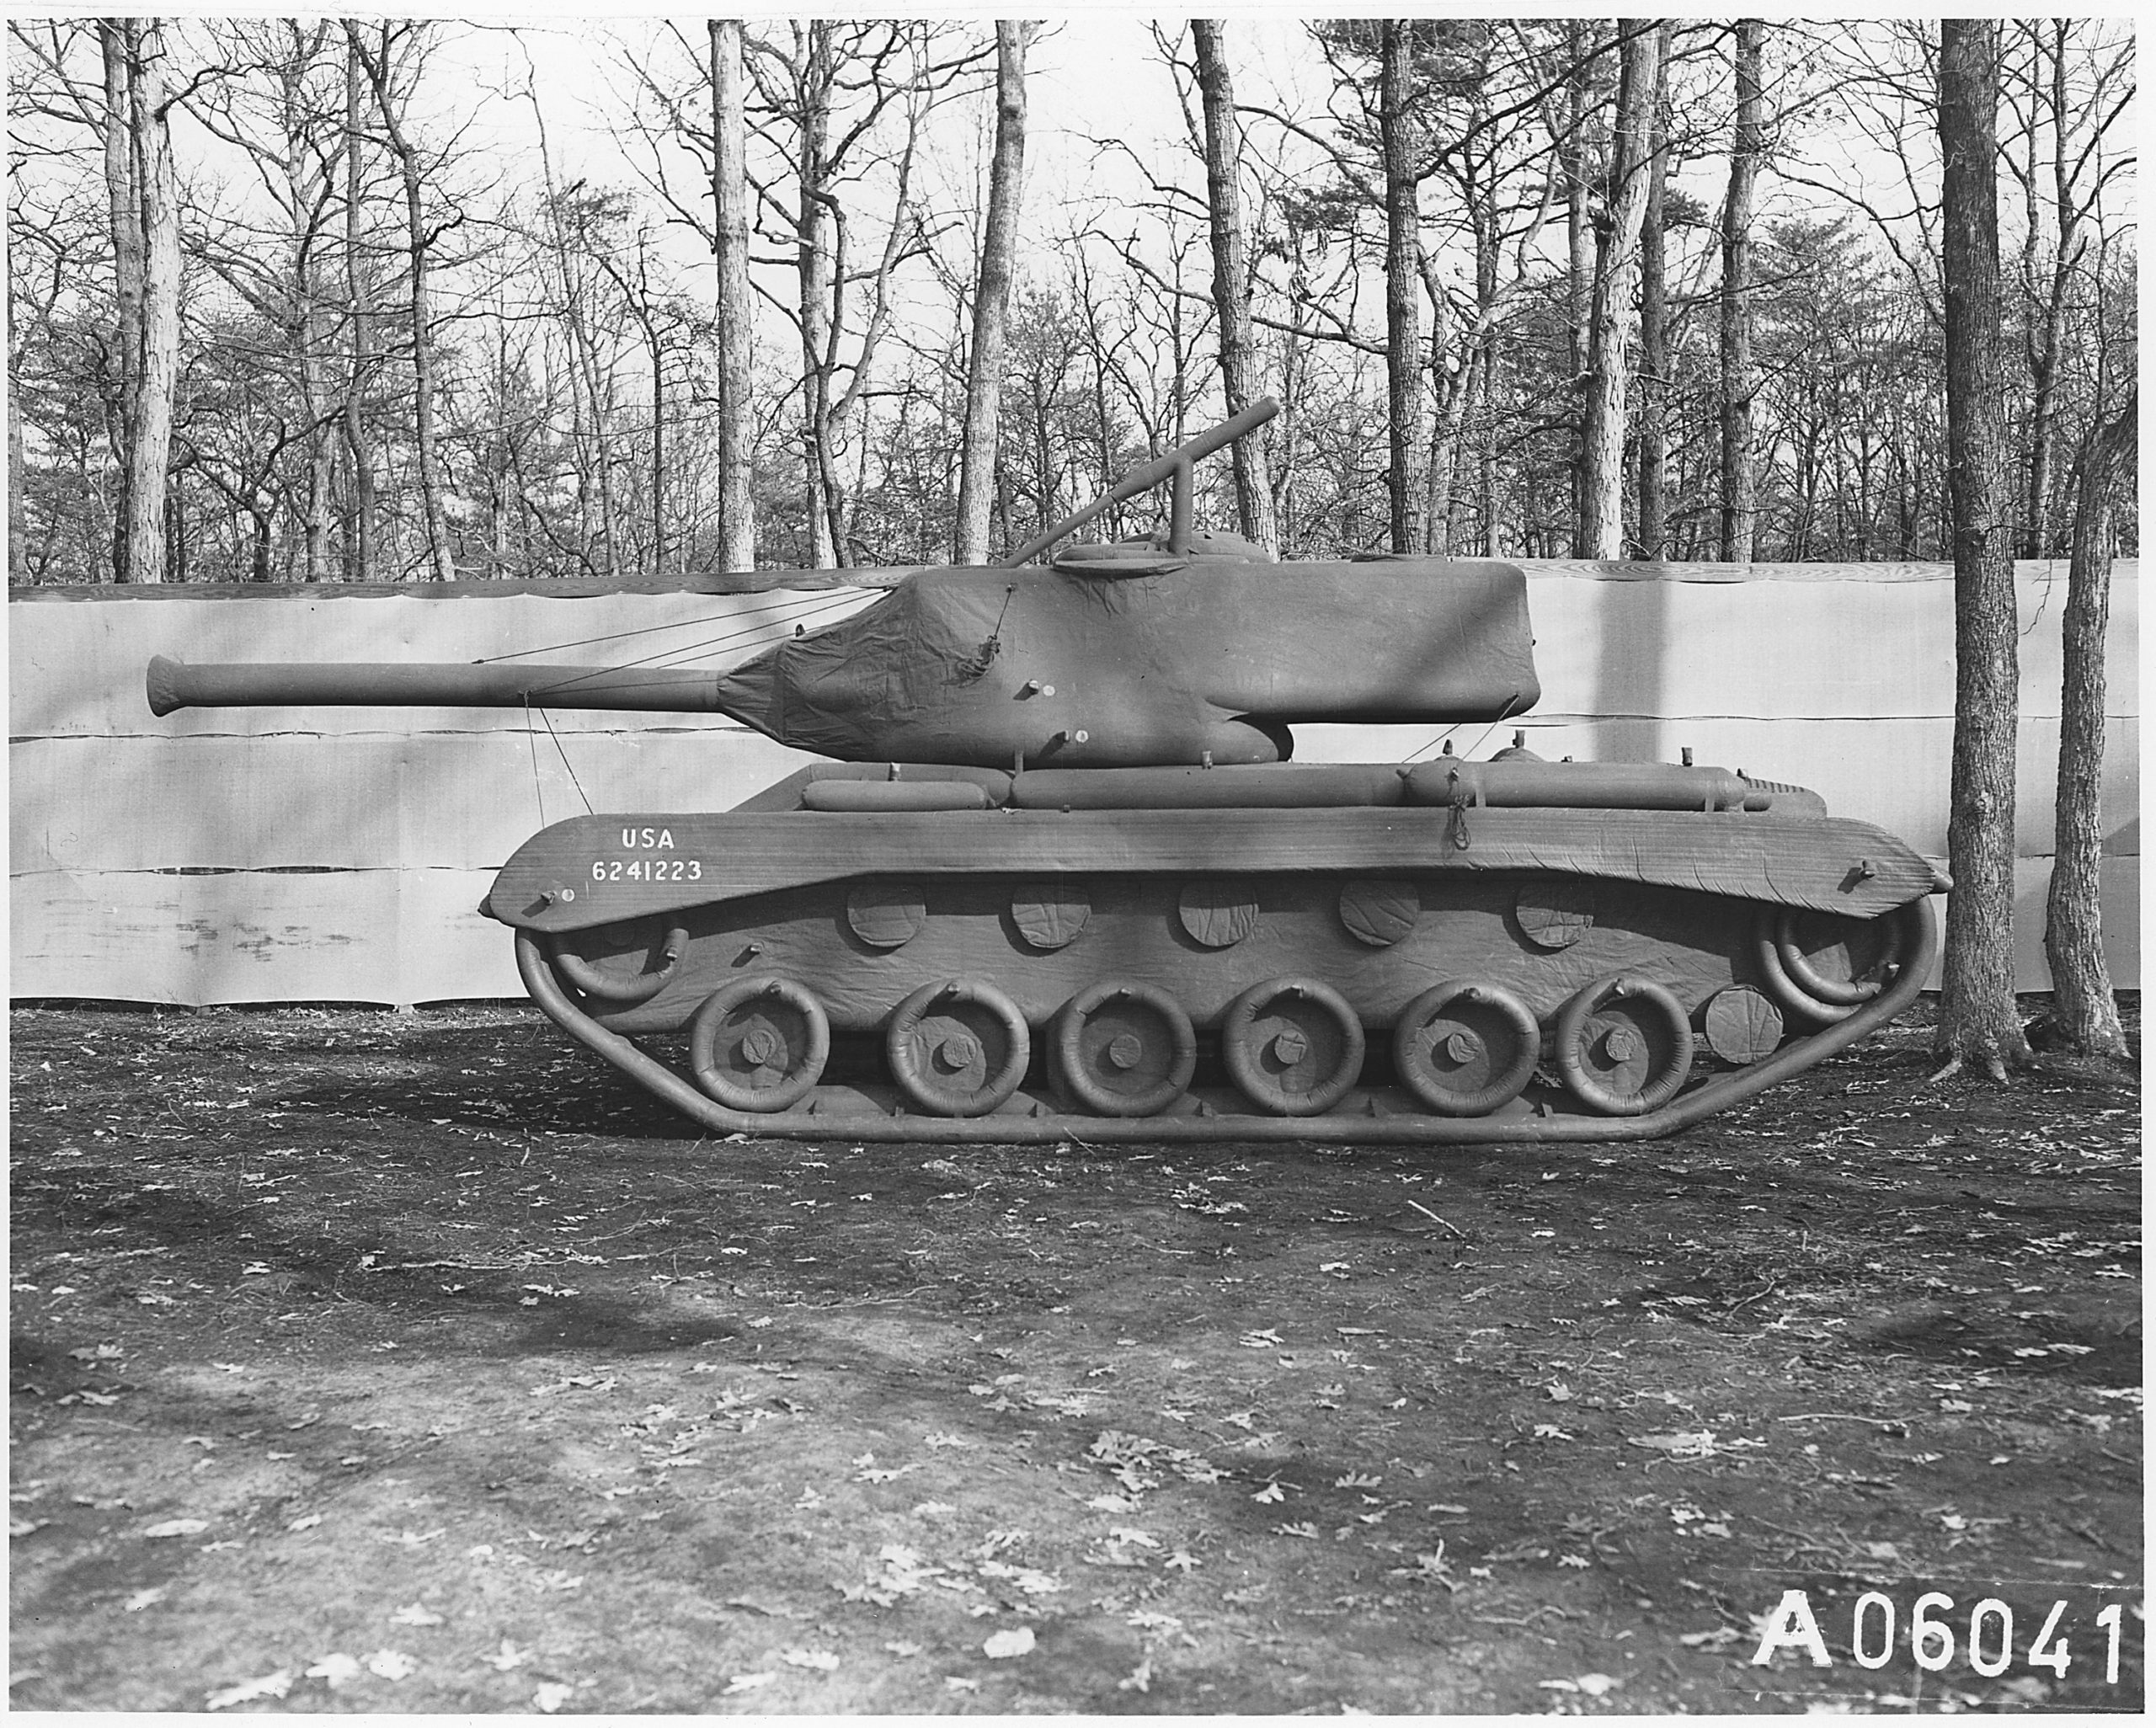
(413, 1363)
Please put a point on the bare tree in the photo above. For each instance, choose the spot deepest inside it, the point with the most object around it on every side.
(2084, 1011)
(288, 122)
(991, 300)
(824, 89)
(1977, 1017)
(1602, 516)
(376, 57)
(360, 556)
(737, 312)
(1651, 523)
(2065, 100)
(143, 190)
(1739, 512)
(1403, 249)
(1254, 510)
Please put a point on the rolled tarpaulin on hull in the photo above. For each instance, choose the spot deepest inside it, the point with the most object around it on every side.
(1273, 786)
(861, 796)
(1585, 786)
(172, 684)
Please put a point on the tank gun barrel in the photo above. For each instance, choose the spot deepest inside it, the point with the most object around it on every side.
(1175, 466)
(173, 684)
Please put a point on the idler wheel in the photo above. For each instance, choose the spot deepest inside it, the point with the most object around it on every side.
(958, 1047)
(759, 1044)
(1124, 1049)
(1623, 1045)
(1465, 1048)
(622, 990)
(1292, 1045)
(1817, 963)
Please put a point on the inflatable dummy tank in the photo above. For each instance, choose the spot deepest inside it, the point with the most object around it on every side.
(1061, 878)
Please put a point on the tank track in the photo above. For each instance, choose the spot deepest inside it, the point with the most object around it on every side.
(1374, 1115)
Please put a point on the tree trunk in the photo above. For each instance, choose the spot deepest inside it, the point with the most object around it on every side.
(736, 309)
(1403, 248)
(1579, 250)
(1651, 526)
(1452, 387)
(1602, 522)
(1978, 1021)
(998, 241)
(308, 329)
(125, 220)
(658, 446)
(157, 371)
(2084, 1011)
(1739, 512)
(359, 555)
(2045, 320)
(1223, 150)
(812, 272)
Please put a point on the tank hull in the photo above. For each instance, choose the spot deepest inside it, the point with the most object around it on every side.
(1215, 972)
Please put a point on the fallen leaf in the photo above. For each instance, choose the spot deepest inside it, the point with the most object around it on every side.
(336, 1669)
(1700, 1444)
(1014, 1642)
(820, 1660)
(1594, 1685)
(1139, 1679)
(551, 1695)
(1307, 1532)
(959, 1682)
(1269, 1493)
(507, 1657)
(749, 1683)
(1714, 1639)
(391, 1665)
(179, 1527)
(275, 1685)
(307, 1522)
(1181, 1561)
(903, 1647)
(413, 1615)
(143, 1598)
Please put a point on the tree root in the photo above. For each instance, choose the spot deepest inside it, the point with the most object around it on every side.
(1993, 1065)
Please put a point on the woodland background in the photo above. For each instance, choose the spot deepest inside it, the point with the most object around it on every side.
(445, 299)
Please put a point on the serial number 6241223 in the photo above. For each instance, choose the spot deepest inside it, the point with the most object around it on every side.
(647, 870)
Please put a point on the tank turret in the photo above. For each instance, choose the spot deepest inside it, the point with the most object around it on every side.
(1059, 876)
(1180, 648)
